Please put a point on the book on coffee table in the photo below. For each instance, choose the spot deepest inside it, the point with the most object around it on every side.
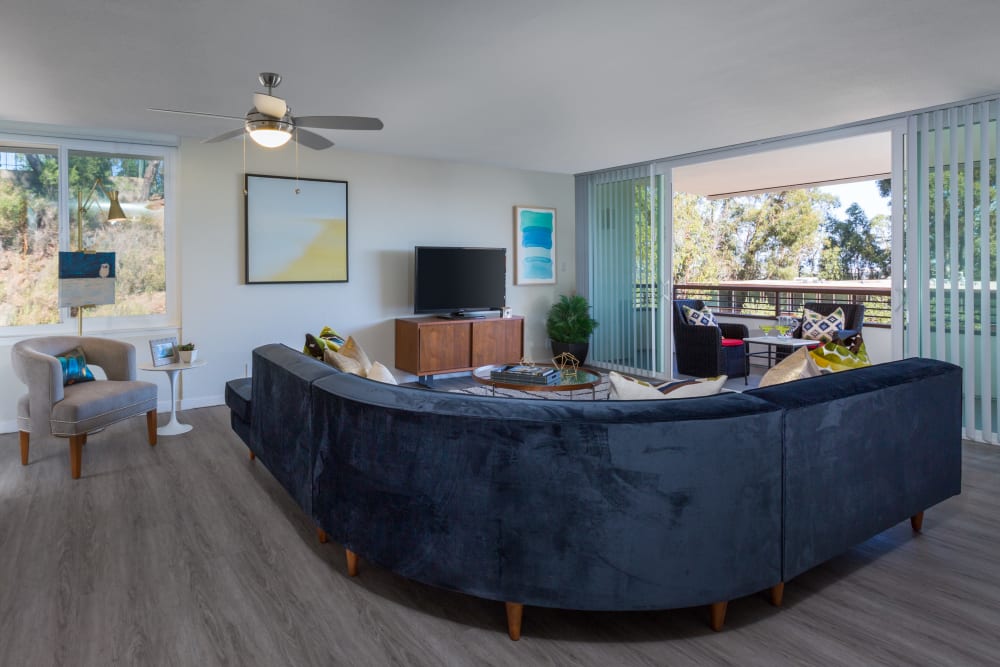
(519, 373)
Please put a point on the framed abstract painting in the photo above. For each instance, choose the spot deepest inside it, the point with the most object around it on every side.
(296, 230)
(534, 245)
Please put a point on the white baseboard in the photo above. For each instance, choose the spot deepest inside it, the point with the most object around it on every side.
(201, 402)
(9, 426)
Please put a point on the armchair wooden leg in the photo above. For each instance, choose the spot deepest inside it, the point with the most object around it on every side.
(75, 455)
(252, 455)
(24, 447)
(515, 612)
(321, 535)
(777, 593)
(352, 563)
(151, 427)
(917, 522)
(718, 615)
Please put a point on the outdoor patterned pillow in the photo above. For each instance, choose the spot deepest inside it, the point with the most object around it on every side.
(821, 327)
(699, 318)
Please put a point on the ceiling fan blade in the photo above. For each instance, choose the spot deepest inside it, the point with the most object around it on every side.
(195, 113)
(225, 135)
(269, 105)
(311, 140)
(339, 122)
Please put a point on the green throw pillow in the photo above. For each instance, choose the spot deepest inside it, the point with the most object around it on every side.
(328, 339)
(74, 367)
(838, 358)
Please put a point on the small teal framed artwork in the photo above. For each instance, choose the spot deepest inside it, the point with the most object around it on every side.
(534, 245)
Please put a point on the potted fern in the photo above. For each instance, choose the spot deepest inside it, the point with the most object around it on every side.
(569, 326)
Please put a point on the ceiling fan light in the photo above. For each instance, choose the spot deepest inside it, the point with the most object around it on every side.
(269, 133)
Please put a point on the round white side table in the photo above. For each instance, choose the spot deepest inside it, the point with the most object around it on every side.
(173, 427)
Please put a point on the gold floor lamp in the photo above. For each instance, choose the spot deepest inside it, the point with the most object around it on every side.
(83, 204)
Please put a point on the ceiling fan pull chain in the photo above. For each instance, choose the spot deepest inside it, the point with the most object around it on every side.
(297, 190)
(244, 163)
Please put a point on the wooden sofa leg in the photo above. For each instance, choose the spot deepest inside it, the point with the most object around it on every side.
(252, 455)
(515, 611)
(718, 615)
(321, 535)
(352, 563)
(75, 454)
(151, 427)
(777, 593)
(917, 522)
(24, 447)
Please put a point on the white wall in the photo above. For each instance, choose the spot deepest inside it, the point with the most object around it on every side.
(395, 203)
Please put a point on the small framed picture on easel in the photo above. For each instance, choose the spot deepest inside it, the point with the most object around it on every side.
(164, 351)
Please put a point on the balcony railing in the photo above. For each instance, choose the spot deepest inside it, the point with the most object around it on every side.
(736, 299)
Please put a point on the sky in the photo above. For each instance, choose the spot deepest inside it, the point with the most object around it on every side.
(864, 193)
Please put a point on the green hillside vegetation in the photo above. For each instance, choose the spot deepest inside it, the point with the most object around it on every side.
(29, 235)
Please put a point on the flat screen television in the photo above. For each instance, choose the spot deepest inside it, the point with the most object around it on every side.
(457, 282)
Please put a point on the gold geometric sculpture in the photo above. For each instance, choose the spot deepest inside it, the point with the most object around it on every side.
(566, 362)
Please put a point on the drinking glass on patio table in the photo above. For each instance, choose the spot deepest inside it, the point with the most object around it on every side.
(766, 328)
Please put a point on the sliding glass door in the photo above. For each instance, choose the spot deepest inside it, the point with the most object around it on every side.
(626, 269)
(950, 251)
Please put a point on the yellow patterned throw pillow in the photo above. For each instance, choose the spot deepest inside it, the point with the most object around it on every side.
(838, 358)
(821, 327)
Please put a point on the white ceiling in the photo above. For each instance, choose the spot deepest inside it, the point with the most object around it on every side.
(860, 158)
(556, 85)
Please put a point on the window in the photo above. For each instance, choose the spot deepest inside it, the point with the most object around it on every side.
(138, 242)
(43, 189)
(29, 237)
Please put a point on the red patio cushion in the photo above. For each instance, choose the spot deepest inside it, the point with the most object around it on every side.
(732, 342)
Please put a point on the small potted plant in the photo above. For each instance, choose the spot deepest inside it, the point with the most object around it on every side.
(188, 352)
(569, 326)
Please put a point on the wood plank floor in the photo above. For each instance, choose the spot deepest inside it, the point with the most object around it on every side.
(189, 554)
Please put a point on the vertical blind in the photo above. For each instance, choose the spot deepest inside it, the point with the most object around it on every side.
(625, 220)
(951, 251)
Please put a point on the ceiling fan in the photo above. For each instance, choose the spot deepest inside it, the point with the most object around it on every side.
(270, 122)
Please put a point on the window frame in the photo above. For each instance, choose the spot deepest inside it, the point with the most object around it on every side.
(94, 325)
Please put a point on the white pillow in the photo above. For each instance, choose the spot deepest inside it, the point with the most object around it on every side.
(624, 388)
(380, 373)
(796, 366)
(350, 358)
(702, 387)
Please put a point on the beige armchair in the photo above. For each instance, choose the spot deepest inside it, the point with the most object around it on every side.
(73, 411)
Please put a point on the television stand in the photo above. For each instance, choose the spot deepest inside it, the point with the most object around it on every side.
(426, 346)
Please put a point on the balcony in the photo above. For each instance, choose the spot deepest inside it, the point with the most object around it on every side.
(756, 302)
(767, 299)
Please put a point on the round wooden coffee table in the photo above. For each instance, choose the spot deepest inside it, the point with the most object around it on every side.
(569, 380)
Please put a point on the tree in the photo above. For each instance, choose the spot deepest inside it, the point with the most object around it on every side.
(856, 248)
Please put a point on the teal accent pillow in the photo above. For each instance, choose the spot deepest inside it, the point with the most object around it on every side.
(74, 367)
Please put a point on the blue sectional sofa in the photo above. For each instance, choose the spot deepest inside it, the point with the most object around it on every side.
(617, 505)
